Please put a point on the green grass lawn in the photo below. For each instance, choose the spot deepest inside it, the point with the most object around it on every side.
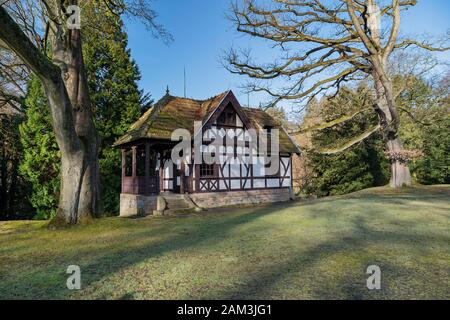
(298, 250)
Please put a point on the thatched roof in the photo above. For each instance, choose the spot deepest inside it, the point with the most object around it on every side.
(172, 113)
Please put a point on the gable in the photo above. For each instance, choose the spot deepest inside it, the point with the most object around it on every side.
(229, 102)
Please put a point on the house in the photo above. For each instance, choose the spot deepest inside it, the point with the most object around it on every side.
(153, 181)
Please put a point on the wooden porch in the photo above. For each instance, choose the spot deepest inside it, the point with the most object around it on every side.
(143, 169)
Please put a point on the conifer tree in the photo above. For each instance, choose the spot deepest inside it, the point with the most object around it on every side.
(361, 166)
(41, 158)
(117, 101)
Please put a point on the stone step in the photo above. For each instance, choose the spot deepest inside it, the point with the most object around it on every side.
(178, 208)
(177, 204)
(176, 201)
(172, 212)
(172, 196)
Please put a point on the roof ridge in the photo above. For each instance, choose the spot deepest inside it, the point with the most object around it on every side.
(253, 108)
(212, 97)
(219, 94)
(192, 99)
(197, 100)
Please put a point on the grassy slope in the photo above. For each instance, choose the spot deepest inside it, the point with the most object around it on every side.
(309, 250)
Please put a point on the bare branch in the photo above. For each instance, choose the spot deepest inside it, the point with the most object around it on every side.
(407, 43)
(330, 124)
(350, 143)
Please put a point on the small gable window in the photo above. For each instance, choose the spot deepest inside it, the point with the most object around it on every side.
(227, 117)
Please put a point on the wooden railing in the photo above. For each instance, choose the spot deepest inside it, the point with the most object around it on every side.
(140, 185)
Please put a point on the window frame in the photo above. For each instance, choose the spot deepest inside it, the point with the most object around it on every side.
(208, 172)
(128, 162)
(140, 161)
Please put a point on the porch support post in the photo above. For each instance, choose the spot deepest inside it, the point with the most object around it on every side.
(147, 159)
(134, 162)
(124, 160)
(147, 168)
(161, 171)
(134, 167)
(250, 167)
(191, 178)
(182, 177)
(174, 178)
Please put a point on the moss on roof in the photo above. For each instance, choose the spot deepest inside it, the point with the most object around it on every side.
(171, 113)
(261, 119)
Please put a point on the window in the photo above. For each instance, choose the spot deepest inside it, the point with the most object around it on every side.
(140, 161)
(231, 118)
(269, 140)
(227, 117)
(152, 163)
(207, 170)
(128, 163)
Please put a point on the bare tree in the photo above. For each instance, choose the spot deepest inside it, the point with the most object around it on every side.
(51, 48)
(337, 42)
(13, 77)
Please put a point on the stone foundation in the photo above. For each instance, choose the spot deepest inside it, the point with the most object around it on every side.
(139, 205)
(136, 205)
(218, 199)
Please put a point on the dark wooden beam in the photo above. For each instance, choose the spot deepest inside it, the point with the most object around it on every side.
(124, 160)
(147, 167)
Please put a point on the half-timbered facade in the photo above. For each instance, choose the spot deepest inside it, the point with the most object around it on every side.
(240, 172)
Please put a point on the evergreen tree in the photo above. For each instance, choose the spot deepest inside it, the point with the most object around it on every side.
(434, 166)
(117, 100)
(14, 188)
(426, 127)
(41, 159)
(363, 165)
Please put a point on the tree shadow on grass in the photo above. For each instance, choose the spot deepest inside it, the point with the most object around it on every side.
(352, 285)
(49, 281)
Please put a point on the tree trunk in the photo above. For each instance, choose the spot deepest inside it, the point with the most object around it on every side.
(89, 204)
(71, 174)
(75, 79)
(385, 101)
(390, 121)
(73, 164)
(400, 175)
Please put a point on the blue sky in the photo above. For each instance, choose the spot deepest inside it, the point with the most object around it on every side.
(201, 32)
